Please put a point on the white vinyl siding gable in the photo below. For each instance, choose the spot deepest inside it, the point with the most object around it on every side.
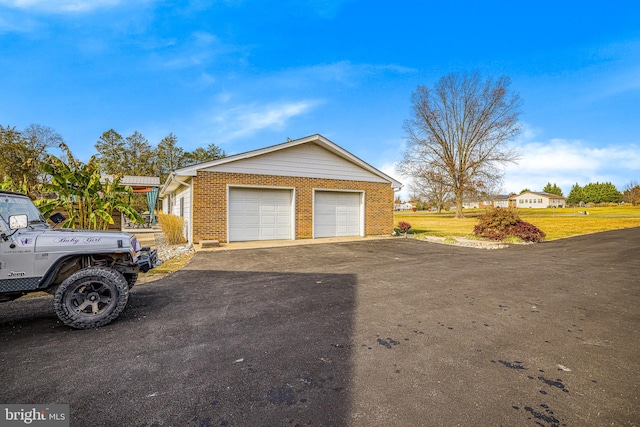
(306, 160)
(165, 204)
(182, 199)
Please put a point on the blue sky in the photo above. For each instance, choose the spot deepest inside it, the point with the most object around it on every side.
(248, 74)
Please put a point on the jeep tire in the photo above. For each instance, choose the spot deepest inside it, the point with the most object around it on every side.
(131, 279)
(91, 297)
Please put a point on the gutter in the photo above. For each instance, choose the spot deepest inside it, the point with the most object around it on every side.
(170, 179)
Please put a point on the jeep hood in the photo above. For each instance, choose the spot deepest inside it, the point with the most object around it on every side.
(82, 240)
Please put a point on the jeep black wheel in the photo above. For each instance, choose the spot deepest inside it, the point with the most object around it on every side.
(91, 297)
(131, 279)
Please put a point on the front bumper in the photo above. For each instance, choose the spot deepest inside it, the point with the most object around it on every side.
(148, 259)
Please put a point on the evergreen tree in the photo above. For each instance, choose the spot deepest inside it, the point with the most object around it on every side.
(140, 156)
(169, 156)
(111, 152)
(609, 193)
(591, 193)
(596, 192)
(575, 195)
(553, 189)
(132, 155)
(202, 155)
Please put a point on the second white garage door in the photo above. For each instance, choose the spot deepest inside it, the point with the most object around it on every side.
(259, 214)
(336, 214)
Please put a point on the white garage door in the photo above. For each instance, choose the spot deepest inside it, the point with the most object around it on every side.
(256, 214)
(336, 214)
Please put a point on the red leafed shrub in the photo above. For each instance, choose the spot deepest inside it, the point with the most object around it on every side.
(404, 226)
(499, 223)
(498, 219)
(527, 232)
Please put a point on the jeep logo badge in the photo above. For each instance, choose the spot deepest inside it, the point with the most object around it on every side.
(17, 274)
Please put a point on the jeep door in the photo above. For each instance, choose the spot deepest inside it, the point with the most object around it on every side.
(17, 261)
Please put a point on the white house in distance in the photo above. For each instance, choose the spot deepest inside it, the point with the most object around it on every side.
(403, 206)
(530, 199)
(503, 201)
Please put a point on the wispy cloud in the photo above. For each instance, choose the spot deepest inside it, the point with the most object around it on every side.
(249, 119)
(620, 68)
(198, 50)
(622, 81)
(595, 72)
(245, 105)
(227, 124)
(61, 6)
(15, 24)
(344, 72)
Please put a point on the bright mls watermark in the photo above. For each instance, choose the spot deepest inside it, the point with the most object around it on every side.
(34, 415)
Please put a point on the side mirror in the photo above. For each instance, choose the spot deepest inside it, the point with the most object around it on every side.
(17, 222)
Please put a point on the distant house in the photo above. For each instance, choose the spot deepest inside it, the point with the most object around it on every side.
(403, 206)
(530, 199)
(498, 202)
(504, 201)
(470, 204)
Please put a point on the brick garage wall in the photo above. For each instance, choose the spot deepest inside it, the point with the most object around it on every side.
(210, 202)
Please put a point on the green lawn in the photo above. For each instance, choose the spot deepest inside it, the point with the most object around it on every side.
(556, 223)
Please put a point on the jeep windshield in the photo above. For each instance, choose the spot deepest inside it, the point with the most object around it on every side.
(15, 204)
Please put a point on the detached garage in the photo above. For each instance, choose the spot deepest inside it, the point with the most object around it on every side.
(301, 189)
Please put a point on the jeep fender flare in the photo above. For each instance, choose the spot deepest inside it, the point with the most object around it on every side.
(48, 280)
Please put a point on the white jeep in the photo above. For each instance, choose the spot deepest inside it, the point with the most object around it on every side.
(88, 272)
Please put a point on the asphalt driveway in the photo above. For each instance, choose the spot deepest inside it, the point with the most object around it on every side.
(373, 333)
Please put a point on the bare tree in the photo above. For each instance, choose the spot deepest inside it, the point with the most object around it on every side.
(632, 193)
(432, 186)
(41, 139)
(461, 129)
(22, 154)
